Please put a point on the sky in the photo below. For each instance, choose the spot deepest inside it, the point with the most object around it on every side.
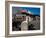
(32, 10)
